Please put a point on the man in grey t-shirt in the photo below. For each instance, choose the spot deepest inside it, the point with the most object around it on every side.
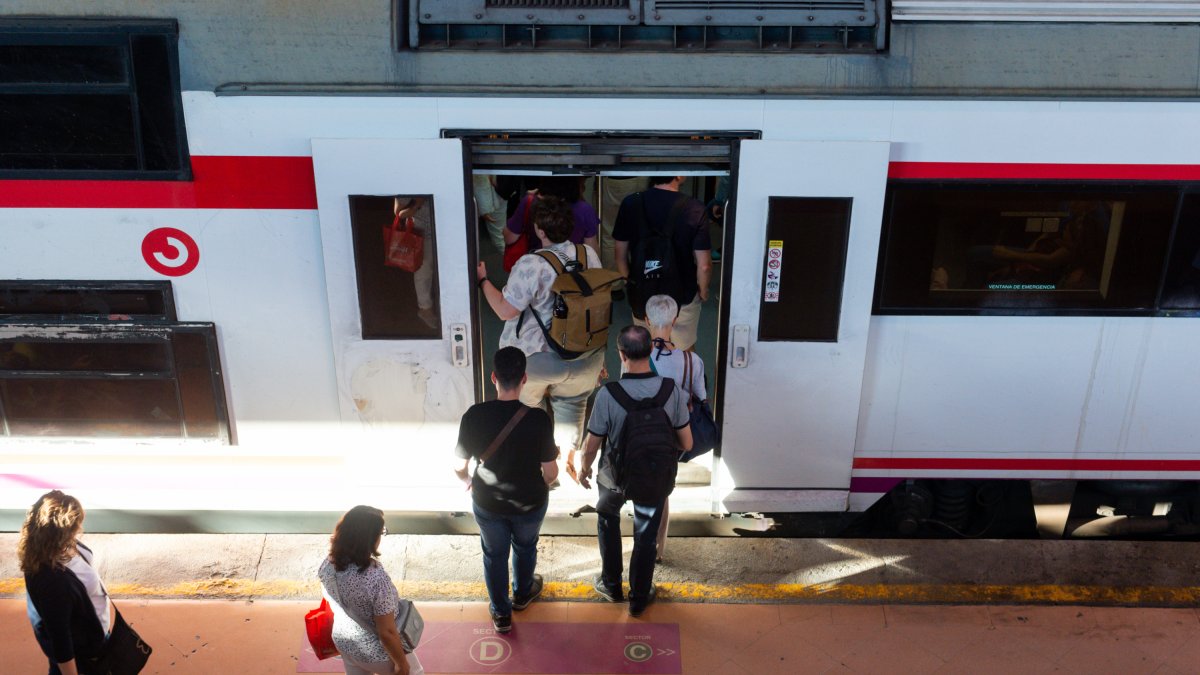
(608, 418)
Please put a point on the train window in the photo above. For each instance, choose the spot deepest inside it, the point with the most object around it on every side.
(91, 99)
(1181, 287)
(396, 264)
(121, 381)
(804, 268)
(1023, 249)
(111, 300)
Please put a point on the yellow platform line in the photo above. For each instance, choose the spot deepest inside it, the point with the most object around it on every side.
(1161, 596)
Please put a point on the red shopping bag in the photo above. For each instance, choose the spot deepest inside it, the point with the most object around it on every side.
(514, 251)
(403, 247)
(319, 625)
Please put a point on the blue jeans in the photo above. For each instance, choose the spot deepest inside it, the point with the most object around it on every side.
(498, 533)
(646, 520)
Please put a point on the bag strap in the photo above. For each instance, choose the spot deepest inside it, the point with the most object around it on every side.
(688, 378)
(338, 597)
(581, 256)
(396, 222)
(503, 435)
(664, 392)
(553, 259)
(621, 396)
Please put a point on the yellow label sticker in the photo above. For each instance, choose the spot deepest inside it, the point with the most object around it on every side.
(775, 243)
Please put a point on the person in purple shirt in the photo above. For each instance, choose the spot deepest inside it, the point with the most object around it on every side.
(587, 223)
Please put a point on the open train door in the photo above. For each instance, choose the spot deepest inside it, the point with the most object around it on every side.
(399, 316)
(806, 245)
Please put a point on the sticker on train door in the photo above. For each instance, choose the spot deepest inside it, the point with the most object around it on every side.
(170, 252)
(774, 270)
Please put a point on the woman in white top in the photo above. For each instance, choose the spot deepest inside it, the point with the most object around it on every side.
(70, 611)
(363, 598)
(686, 368)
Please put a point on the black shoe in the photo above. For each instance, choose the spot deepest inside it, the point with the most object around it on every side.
(636, 610)
(502, 624)
(520, 602)
(607, 593)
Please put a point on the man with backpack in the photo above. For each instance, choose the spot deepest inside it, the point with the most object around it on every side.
(662, 245)
(642, 420)
(556, 306)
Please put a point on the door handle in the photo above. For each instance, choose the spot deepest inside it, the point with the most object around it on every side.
(739, 356)
(458, 345)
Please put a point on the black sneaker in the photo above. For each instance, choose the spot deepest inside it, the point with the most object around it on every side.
(520, 602)
(605, 592)
(502, 624)
(636, 610)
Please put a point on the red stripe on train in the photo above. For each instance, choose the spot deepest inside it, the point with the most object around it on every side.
(218, 183)
(975, 464)
(1013, 171)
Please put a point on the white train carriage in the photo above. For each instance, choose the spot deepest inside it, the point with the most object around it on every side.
(911, 336)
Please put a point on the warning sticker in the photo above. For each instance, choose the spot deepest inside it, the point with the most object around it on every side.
(774, 270)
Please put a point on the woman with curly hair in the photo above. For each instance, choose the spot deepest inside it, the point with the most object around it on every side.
(363, 598)
(70, 611)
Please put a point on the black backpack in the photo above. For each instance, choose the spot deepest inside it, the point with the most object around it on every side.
(653, 268)
(646, 459)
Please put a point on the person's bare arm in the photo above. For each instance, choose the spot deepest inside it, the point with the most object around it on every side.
(593, 242)
(590, 449)
(621, 254)
(68, 668)
(510, 237)
(683, 436)
(550, 471)
(703, 272)
(385, 625)
(494, 297)
(460, 470)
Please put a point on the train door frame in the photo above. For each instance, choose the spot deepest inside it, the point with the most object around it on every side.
(731, 138)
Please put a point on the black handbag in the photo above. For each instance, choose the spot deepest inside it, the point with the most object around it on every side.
(706, 436)
(124, 653)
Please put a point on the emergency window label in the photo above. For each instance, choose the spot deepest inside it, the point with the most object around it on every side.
(774, 270)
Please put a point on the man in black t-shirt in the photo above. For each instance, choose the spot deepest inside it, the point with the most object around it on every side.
(664, 208)
(509, 488)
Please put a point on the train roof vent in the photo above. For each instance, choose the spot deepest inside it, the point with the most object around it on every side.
(760, 13)
(560, 4)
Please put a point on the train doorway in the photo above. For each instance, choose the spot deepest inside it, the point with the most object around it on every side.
(506, 171)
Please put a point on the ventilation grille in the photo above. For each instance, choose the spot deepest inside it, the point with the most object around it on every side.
(763, 5)
(558, 4)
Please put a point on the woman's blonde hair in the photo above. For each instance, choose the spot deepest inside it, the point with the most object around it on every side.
(49, 532)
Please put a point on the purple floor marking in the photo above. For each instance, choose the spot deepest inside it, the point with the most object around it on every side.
(538, 648)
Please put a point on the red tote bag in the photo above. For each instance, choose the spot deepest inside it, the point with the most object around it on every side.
(319, 625)
(514, 251)
(403, 247)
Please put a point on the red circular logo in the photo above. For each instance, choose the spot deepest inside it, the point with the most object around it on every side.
(170, 252)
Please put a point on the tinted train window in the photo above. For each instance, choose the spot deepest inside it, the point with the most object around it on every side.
(122, 381)
(117, 301)
(91, 99)
(1181, 287)
(804, 269)
(1020, 249)
(396, 264)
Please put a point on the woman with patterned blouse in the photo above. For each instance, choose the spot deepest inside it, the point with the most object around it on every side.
(363, 598)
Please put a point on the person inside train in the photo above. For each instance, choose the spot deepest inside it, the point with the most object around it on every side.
(516, 459)
(585, 222)
(491, 208)
(685, 368)
(662, 245)
(567, 383)
(417, 209)
(365, 602)
(67, 604)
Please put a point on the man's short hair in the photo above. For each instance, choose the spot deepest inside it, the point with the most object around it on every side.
(553, 216)
(634, 341)
(661, 180)
(661, 310)
(509, 366)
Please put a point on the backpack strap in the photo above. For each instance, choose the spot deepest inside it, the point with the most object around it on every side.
(664, 392)
(503, 435)
(621, 396)
(553, 259)
(581, 256)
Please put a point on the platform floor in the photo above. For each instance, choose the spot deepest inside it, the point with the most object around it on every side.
(222, 636)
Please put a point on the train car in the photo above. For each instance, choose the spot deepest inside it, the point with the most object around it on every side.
(915, 298)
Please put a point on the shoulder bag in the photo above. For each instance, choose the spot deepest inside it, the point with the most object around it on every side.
(705, 434)
(124, 653)
(409, 623)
